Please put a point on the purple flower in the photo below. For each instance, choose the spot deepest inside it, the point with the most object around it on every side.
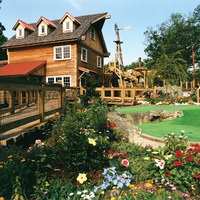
(174, 188)
(181, 137)
(45, 192)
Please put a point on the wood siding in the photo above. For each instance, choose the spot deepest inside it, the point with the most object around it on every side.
(46, 52)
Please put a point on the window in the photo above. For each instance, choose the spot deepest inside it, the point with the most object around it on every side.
(99, 61)
(92, 33)
(62, 52)
(67, 26)
(20, 32)
(66, 80)
(42, 29)
(84, 54)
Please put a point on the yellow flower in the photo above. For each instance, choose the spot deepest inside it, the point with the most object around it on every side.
(92, 141)
(1, 198)
(131, 186)
(1, 166)
(10, 160)
(81, 178)
(10, 156)
(112, 198)
(23, 160)
(149, 185)
(33, 160)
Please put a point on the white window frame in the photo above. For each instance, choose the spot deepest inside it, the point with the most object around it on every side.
(41, 33)
(82, 54)
(20, 33)
(67, 29)
(92, 33)
(99, 61)
(62, 78)
(62, 48)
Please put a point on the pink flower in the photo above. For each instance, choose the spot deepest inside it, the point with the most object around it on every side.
(125, 162)
(90, 102)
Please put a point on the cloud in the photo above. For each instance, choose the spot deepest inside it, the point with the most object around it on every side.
(74, 3)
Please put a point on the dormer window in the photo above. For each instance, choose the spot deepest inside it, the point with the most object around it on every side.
(22, 29)
(69, 23)
(45, 26)
(92, 33)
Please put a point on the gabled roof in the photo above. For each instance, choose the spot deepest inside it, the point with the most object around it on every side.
(48, 22)
(25, 25)
(20, 69)
(57, 34)
(71, 17)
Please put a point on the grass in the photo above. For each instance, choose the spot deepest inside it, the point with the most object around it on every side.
(190, 122)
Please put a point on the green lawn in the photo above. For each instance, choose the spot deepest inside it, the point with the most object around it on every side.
(190, 122)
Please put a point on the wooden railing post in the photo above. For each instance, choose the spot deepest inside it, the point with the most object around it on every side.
(11, 102)
(102, 93)
(81, 90)
(186, 83)
(197, 95)
(123, 94)
(41, 103)
(181, 85)
(60, 97)
(28, 97)
(112, 93)
(154, 92)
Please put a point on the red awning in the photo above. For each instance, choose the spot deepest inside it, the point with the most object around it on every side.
(21, 69)
(86, 70)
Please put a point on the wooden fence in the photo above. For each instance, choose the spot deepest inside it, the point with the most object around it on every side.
(187, 86)
(122, 95)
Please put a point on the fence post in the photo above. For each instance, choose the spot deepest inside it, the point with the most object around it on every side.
(181, 85)
(81, 90)
(41, 94)
(197, 95)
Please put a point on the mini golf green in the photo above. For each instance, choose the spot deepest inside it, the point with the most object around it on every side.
(190, 122)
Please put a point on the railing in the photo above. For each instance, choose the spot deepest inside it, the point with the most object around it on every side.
(127, 96)
(22, 102)
(187, 86)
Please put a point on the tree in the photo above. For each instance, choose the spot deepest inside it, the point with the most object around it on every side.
(3, 39)
(175, 35)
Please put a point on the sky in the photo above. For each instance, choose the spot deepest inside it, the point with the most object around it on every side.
(138, 14)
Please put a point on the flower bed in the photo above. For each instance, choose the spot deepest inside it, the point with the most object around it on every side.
(85, 158)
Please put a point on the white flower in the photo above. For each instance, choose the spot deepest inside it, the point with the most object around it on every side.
(79, 192)
(172, 133)
(85, 191)
(160, 163)
(167, 157)
(71, 194)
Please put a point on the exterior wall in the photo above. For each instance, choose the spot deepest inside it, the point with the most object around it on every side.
(46, 52)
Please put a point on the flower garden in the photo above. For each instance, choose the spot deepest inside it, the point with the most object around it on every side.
(80, 155)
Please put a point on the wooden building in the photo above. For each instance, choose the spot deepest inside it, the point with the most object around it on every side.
(57, 50)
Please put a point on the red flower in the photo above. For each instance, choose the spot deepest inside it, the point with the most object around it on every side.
(122, 153)
(196, 150)
(189, 158)
(179, 154)
(178, 163)
(198, 161)
(113, 125)
(110, 152)
(107, 122)
(55, 115)
(168, 175)
(118, 149)
(197, 175)
(166, 169)
(125, 162)
(108, 126)
(115, 154)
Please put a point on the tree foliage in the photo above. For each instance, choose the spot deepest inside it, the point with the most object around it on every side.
(169, 48)
(3, 39)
